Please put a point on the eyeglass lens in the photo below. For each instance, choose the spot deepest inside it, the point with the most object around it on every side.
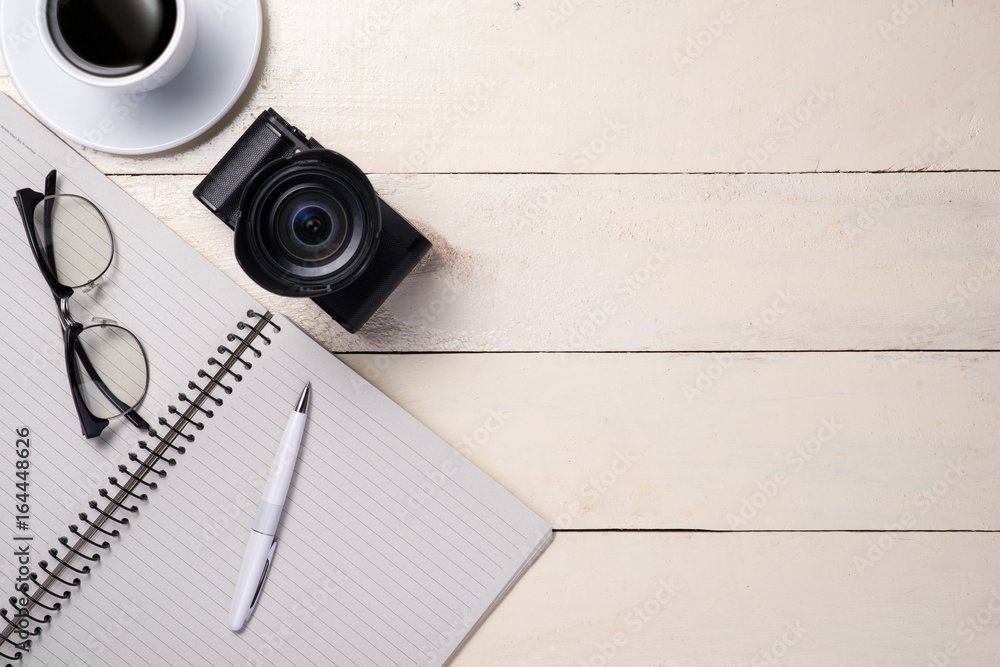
(111, 367)
(75, 239)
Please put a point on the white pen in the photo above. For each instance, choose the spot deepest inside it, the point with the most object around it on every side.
(260, 547)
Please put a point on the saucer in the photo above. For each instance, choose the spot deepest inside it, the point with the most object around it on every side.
(135, 123)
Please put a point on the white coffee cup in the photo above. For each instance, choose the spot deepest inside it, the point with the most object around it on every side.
(167, 65)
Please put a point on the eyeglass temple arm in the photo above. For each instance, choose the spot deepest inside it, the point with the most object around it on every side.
(47, 241)
(26, 200)
(131, 415)
(90, 425)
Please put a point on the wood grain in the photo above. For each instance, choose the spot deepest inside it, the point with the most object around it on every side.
(668, 262)
(831, 441)
(799, 597)
(503, 86)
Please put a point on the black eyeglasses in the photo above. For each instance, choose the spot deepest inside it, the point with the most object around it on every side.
(73, 247)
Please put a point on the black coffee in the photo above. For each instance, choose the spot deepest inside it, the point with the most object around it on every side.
(112, 37)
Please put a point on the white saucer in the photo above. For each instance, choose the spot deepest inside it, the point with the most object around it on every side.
(224, 57)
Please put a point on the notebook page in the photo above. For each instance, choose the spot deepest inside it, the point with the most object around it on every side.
(175, 301)
(361, 575)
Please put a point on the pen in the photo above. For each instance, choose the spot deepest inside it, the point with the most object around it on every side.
(260, 547)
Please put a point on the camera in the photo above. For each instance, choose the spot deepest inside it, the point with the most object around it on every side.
(308, 222)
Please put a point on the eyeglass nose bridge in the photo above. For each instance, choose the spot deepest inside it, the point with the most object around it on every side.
(66, 320)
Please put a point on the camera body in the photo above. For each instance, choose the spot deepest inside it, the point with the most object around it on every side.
(308, 223)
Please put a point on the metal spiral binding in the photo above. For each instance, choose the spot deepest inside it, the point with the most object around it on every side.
(57, 580)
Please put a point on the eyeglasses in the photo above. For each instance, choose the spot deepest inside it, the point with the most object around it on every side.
(73, 247)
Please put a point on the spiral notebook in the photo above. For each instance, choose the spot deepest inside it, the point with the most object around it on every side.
(392, 547)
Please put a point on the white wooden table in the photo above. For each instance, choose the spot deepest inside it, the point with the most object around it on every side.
(715, 288)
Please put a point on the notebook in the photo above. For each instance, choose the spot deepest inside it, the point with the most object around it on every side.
(392, 548)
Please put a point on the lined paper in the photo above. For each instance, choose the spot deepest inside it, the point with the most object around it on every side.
(178, 305)
(392, 548)
(356, 580)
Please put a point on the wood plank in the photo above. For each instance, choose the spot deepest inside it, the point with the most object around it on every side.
(514, 87)
(761, 262)
(750, 600)
(803, 441)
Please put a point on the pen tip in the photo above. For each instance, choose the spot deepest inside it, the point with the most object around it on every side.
(304, 398)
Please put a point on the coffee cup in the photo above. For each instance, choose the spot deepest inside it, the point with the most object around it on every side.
(128, 45)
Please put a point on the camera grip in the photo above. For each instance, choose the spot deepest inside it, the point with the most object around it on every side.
(268, 138)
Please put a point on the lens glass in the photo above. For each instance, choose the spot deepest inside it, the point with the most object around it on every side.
(311, 227)
(111, 368)
(75, 239)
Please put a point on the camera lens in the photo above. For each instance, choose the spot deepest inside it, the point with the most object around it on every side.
(311, 227)
(310, 224)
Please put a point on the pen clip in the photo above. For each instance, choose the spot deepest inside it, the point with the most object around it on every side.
(263, 576)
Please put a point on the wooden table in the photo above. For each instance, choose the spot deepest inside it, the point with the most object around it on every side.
(714, 289)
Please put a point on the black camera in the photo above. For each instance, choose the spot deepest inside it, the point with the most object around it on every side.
(308, 222)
